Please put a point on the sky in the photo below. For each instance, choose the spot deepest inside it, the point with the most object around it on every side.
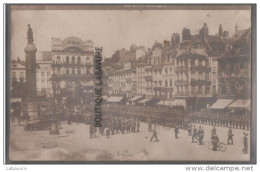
(117, 29)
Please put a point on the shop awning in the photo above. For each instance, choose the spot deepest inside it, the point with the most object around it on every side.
(179, 102)
(176, 102)
(104, 97)
(144, 101)
(221, 103)
(135, 98)
(114, 99)
(240, 103)
(13, 100)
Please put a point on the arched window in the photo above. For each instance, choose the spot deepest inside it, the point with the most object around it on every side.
(78, 60)
(73, 60)
(67, 60)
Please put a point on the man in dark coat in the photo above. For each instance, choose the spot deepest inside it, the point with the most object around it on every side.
(200, 135)
(194, 134)
(176, 131)
(138, 125)
(245, 150)
(230, 136)
(154, 134)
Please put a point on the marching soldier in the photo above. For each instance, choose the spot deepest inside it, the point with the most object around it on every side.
(200, 135)
(91, 131)
(194, 134)
(133, 125)
(154, 134)
(189, 129)
(149, 124)
(245, 150)
(138, 125)
(213, 131)
(123, 122)
(176, 131)
(230, 136)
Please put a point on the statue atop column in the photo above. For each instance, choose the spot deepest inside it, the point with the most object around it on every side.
(30, 34)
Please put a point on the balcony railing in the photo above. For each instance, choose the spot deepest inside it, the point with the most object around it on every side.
(148, 77)
(180, 69)
(180, 82)
(200, 82)
(200, 68)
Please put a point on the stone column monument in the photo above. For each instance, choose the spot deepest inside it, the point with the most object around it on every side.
(30, 65)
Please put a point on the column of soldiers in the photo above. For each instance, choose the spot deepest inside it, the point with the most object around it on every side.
(220, 119)
(115, 124)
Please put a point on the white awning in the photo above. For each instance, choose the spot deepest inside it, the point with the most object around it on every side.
(179, 102)
(144, 101)
(114, 99)
(135, 98)
(176, 102)
(104, 97)
(240, 103)
(13, 100)
(221, 103)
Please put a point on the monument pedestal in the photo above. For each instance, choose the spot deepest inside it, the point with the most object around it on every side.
(32, 110)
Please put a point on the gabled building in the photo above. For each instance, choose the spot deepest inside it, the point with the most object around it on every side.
(196, 81)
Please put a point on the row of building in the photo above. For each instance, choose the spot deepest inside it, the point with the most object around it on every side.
(199, 69)
(196, 70)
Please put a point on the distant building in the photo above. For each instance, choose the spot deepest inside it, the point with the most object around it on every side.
(44, 73)
(18, 70)
(122, 73)
(18, 78)
(72, 65)
(196, 67)
(234, 76)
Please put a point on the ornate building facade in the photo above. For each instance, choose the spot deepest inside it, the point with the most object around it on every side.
(72, 64)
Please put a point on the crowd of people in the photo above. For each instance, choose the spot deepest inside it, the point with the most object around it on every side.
(114, 124)
(223, 119)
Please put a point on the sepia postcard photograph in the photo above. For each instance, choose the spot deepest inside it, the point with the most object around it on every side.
(130, 83)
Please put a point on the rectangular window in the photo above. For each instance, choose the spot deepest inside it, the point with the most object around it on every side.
(214, 89)
(207, 90)
(48, 74)
(200, 90)
(67, 71)
(42, 74)
(21, 74)
(13, 74)
(193, 90)
(200, 63)
(207, 76)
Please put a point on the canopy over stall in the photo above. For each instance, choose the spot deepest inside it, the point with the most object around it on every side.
(240, 103)
(221, 104)
(114, 99)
